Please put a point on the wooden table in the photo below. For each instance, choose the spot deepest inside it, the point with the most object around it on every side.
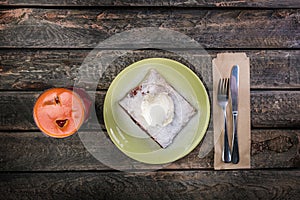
(43, 45)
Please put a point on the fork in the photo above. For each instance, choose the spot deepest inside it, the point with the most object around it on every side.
(222, 97)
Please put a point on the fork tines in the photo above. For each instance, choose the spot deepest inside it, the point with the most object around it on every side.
(223, 86)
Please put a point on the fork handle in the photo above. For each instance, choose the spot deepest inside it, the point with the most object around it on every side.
(226, 156)
(235, 145)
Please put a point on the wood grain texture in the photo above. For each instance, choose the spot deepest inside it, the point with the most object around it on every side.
(268, 109)
(42, 69)
(27, 27)
(157, 3)
(275, 109)
(270, 149)
(185, 185)
(43, 45)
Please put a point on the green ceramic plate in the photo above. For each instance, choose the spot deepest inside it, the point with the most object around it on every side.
(133, 141)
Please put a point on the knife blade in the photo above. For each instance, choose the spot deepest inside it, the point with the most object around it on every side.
(234, 92)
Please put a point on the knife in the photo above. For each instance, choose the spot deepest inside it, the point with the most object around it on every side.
(234, 92)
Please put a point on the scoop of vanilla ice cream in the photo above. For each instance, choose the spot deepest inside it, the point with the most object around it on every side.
(157, 109)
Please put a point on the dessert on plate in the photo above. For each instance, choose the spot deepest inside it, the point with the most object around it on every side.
(157, 108)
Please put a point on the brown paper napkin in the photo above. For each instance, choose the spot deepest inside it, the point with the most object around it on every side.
(221, 69)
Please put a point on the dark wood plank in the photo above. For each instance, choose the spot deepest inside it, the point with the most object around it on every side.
(268, 109)
(274, 69)
(41, 153)
(185, 185)
(41, 69)
(175, 3)
(270, 149)
(33, 70)
(275, 109)
(211, 28)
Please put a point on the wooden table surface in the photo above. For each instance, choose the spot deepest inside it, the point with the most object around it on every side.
(43, 44)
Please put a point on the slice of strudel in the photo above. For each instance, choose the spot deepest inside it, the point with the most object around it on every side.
(157, 108)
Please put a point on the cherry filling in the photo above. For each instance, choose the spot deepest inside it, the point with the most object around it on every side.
(134, 91)
(61, 123)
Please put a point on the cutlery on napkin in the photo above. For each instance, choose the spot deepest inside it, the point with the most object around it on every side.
(222, 67)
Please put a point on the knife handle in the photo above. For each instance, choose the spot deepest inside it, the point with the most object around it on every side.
(235, 157)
